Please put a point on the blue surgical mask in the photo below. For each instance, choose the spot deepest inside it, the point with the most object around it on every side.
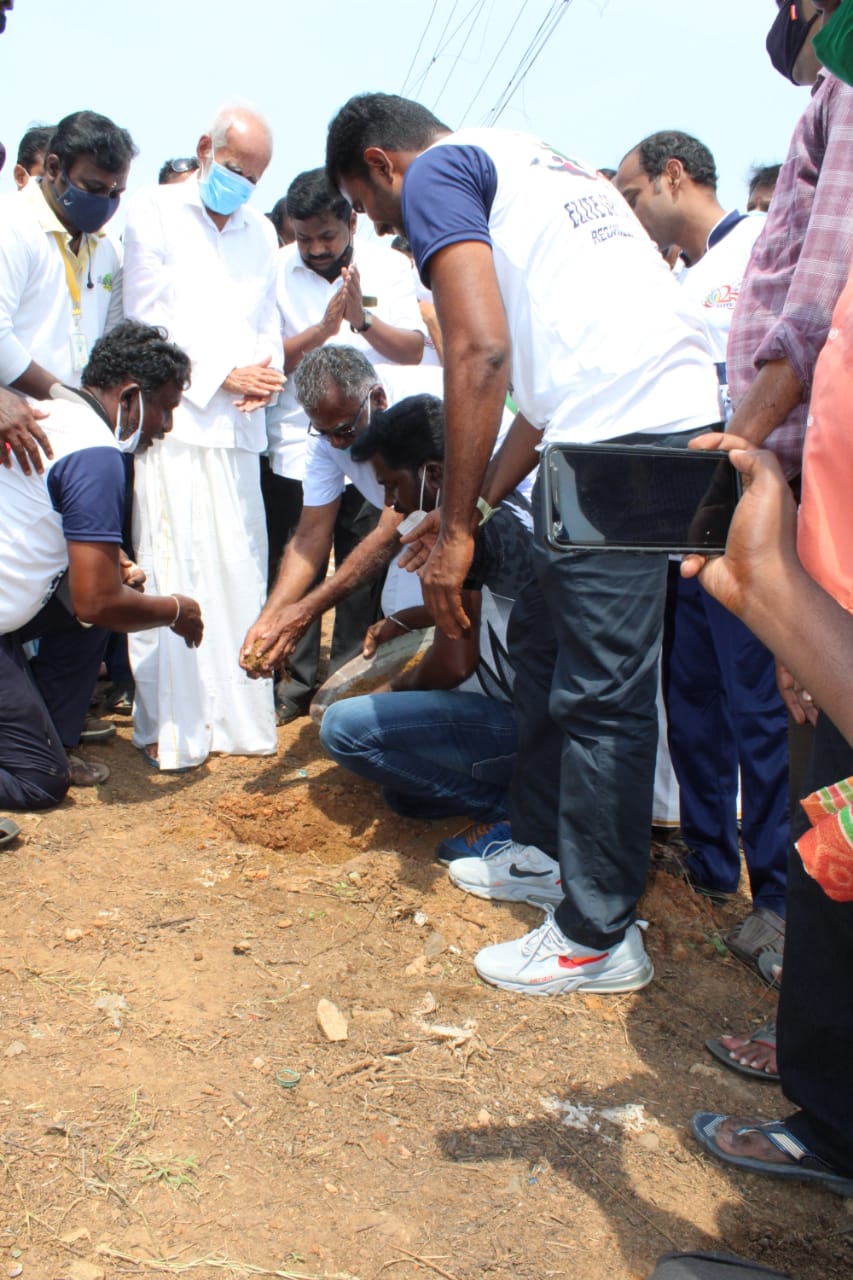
(223, 191)
(87, 212)
(129, 444)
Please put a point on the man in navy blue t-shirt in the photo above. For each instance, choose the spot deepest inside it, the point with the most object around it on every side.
(63, 579)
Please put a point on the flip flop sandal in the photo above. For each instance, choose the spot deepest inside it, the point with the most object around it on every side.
(762, 930)
(770, 968)
(805, 1165)
(9, 831)
(154, 763)
(765, 1034)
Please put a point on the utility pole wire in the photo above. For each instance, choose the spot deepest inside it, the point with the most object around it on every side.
(494, 61)
(420, 45)
(439, 49)
(461, 51)
(547, 28)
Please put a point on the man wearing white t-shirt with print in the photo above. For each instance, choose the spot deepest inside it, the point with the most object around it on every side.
(727, 720)
(544, 280)
(330, 288)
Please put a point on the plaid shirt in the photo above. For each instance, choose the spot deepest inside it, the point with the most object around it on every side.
(801, 261)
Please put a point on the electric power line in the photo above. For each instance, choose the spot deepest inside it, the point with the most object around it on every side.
(547, 28)
(438, 49)
(420, 45)
(494, 61)
(461, 51)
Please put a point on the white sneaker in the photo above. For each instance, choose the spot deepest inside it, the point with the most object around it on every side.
(510, 872)
(546, 962)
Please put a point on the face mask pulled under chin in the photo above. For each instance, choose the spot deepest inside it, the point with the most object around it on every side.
(129, 444)
(786, 39)
(223, 191)
(414, 518)
(833, 44)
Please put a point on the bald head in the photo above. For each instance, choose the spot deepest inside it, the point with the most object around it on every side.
(239, 138)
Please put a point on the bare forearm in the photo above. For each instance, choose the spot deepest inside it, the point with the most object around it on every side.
(775, 392)
(475, 389)
(299, 345)
(515, 459)
(400, 346)
(303, 559)
(811, 635)
(373, 554)
(123, 609)
(35, 381)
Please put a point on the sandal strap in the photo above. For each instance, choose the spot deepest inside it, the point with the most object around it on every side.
(788, 1143)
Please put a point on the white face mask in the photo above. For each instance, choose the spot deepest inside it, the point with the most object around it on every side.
(414, 518)
(129, 443)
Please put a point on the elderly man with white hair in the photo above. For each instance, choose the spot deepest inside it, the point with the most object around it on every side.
(202, 264)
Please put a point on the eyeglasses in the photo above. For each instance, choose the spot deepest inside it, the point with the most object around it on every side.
(184, 166)
(346, 430)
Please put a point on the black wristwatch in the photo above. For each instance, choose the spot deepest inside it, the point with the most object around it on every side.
(366, 323)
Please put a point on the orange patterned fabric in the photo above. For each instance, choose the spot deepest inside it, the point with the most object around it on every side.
(827, 850)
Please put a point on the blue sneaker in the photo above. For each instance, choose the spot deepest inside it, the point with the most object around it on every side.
(477, 841)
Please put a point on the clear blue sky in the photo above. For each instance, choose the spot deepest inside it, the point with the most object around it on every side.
(612, 71)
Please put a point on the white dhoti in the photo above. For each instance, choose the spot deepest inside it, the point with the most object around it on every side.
(199, 530)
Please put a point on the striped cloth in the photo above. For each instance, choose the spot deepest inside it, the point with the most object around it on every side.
(800, 261)
(827, 849)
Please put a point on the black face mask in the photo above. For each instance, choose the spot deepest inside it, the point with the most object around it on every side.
(333, 269)
(786, 39)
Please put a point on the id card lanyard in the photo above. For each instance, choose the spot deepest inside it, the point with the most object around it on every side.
(79, 345)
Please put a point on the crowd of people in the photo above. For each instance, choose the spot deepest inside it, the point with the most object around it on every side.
(213, 408)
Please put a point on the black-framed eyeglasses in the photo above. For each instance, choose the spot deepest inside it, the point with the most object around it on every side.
(346, 430)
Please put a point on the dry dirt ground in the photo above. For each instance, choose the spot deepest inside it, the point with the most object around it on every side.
(170, 1105)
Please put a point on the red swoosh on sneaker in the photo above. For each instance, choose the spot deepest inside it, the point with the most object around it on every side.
(577, 962)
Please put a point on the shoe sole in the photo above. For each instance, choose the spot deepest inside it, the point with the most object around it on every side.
(510, 893)
(560, 986)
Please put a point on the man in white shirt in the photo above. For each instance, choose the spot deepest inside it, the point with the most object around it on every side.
(202, 265)
(56, 264)
(543, 278)
(331, 288)
(727, 721)
(338, 389)
(61, 564)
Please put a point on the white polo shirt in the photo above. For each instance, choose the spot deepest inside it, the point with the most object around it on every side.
(603, 341)
(36, 308)
(214, 293)
(79, 498)
(302, 297)
(713, 284)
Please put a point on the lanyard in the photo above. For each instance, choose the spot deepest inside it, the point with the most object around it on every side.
(71, 278)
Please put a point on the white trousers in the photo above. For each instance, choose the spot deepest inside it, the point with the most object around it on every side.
(199, 530)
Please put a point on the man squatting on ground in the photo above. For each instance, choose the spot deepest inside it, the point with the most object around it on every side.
(442, 741)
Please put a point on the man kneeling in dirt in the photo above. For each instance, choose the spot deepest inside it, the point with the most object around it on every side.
(63, 579)
(443, 740)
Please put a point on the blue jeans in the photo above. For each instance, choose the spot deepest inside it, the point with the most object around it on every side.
(434, 753)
